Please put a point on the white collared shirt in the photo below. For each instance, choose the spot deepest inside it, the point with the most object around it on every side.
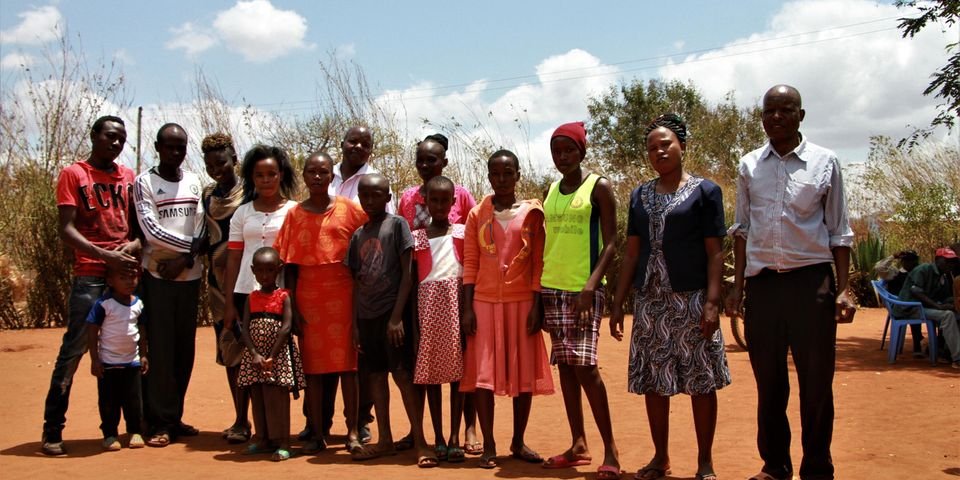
(791, 209)
(349, 188)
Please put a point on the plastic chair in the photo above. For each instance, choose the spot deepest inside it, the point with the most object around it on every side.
(898, 326)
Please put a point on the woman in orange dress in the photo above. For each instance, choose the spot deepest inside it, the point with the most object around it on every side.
(312, 243)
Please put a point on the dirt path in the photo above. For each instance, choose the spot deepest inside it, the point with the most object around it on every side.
(892, 421)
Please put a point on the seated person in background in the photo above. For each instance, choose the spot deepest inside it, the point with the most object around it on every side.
(932, 285)
(956, 280)
(894, 276)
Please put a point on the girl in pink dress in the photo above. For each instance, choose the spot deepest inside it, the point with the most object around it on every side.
(502, 261)
(438, 252)
(431, 159)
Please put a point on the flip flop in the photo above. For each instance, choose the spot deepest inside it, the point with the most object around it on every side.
(561, 461)
(488, 463)
(236, 436)
(528, 456)
(608, 472)
(651, 473)
(367, 452)
(455, 455)
(280, 455)
(159, 440)
(475, 448)
(427, 461)
(705, 476)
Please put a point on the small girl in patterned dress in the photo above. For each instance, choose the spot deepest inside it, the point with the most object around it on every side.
(438, 252)
(270, 366)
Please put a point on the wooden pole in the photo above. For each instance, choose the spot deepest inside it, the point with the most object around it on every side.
(139, 124)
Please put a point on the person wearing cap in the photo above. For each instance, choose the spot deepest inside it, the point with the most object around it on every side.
(580, 214)
(932, 285)
(790, 228)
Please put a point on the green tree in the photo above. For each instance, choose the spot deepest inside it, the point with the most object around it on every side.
(945, 83)
(913, 194)
(718, 134)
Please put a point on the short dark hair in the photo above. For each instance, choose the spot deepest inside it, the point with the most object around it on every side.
(217, 142)
(439, 138)
(319, 154)
(440, 182)
(165, 127)
(264, 252)
(288, 184)
(505, 153)
(98, 123)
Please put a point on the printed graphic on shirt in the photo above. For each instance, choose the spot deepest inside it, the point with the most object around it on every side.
(372, 274)
(104, 195)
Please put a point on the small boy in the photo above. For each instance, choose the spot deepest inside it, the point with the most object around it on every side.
(380, 259)
(118, 357)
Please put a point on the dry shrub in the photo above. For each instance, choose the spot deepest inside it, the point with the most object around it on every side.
(13, 290)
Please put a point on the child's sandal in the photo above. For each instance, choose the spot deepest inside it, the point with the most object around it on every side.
(280, 455)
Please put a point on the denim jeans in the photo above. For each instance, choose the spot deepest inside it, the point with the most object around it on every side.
(83, 294)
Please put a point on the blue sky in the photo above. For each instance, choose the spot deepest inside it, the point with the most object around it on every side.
(858, 77)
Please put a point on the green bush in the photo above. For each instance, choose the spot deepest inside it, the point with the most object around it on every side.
(866, 253)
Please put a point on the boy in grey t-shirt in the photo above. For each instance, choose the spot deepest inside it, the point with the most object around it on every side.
(380, 258)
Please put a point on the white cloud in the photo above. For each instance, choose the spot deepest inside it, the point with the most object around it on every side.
(16, 60)
(345, 51)
(521, 118)
(124, 57)
(853, 87)
(259, 31)
(36, 27)
(190, 39)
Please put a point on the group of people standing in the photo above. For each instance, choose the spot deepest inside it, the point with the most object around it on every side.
(452, 291)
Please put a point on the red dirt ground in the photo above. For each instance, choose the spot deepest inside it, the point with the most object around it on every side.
(892, 421)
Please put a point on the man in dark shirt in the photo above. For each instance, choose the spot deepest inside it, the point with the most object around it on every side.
(932, 285)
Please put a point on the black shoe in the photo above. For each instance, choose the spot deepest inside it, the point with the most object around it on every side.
(305, 434)
(364, 432)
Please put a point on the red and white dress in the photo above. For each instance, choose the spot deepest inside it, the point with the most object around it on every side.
(440, 272)
(266, 318)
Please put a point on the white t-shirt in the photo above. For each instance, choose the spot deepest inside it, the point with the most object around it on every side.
(119, 333)
(171, 216)
(249, 231)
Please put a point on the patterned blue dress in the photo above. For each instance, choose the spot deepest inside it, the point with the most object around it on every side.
(668, 354)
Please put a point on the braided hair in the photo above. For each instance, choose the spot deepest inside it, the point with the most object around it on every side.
(672, 122)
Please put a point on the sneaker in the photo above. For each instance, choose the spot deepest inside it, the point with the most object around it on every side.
(54, 449)
(111, 444)
(136, 441)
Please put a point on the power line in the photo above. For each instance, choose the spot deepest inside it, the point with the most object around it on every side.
(403, 98)
(613, 64)
(316, 103)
